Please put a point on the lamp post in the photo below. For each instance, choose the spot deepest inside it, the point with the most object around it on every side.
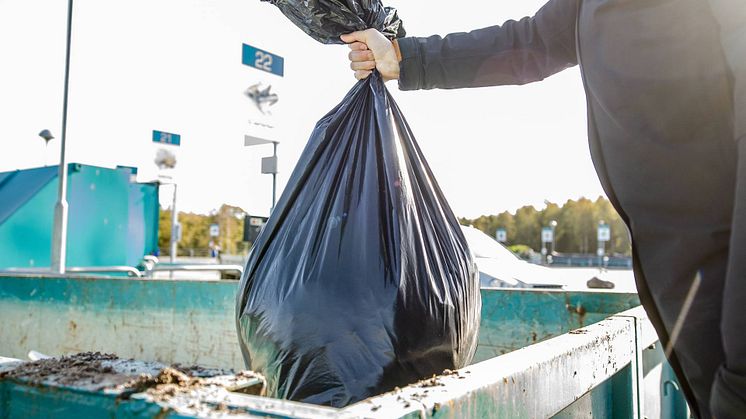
(59, 234)
(269, 164)
(166, 160)
(175, 226)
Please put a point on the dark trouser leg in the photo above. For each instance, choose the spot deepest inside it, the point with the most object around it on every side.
(672, 259)
(697, 345)
(729, 389)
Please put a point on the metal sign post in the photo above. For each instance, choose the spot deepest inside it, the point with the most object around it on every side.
(547, 236)
(269, 164)
(174, 228)
(167, 160)
(604, 235)
(263, 94)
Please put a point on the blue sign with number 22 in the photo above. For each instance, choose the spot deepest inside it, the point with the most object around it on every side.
(262, 60)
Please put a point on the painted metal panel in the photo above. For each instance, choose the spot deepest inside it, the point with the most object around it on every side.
(513, 318)
(33, 225)
(537, 381)
(142, 225)
(161, 320)
(534, 382)
(98, 216)
(193, 321)
(17, 187)
(102, 203)
(594, 368)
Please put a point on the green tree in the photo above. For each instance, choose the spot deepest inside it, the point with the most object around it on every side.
(195, 231)
(506, 220)
(528, 227)
(577, 226)
(231, 220)
(164, 230)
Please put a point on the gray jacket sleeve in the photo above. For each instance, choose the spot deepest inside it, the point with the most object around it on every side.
(517, 52)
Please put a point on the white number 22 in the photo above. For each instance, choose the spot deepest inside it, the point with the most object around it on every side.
(263, 61)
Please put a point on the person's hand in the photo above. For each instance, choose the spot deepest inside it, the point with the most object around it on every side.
(371, 50)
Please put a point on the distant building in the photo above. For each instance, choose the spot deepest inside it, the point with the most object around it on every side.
(113, 220)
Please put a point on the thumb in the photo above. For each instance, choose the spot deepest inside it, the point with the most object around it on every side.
(358, 36)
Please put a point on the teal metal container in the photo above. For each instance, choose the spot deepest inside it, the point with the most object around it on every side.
(541, 353)
(113, 220)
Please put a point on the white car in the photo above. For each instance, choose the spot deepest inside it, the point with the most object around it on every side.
(499, 267)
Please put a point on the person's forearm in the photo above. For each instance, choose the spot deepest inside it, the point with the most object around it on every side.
(517, 52)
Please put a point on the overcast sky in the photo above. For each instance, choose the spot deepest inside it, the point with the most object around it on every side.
(175, 65)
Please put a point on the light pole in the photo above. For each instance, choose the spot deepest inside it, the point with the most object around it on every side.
(269, 164)
(166, 160)
(174, 228)
(59, 234)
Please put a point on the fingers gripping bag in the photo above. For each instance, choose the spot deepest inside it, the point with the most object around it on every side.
(361, 279)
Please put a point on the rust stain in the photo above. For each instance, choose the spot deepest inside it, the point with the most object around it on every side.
(576, 309)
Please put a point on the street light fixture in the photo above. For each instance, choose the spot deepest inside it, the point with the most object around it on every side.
(47, 136)
(269, 164)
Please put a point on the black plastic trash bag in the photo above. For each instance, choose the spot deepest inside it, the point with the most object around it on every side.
(362, 279)
(326, 20)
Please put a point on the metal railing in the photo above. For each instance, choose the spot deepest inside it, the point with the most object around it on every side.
(178, 267)
(69, 271)
(149, 269)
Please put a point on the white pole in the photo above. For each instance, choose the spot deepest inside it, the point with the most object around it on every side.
(174, 227)
(59, 235)
(274, 179)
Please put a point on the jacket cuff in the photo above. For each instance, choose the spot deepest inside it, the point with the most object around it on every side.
(411, 70)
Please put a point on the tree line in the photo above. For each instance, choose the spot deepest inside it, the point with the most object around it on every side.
(195, 231)
(576, 231)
